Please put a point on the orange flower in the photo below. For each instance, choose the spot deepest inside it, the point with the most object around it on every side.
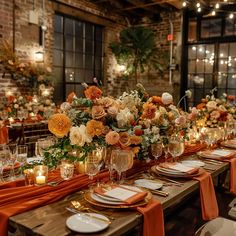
(149, 111)
(10, 98)
(124, 139)
(112, 138)
(231, 98)
(93, 92)
(201, 106)
(138, 132)
(135, 150)
(156, 100)
(70, 97)
(98, 112)
(94, 128)
(59, 124)
(135, 139)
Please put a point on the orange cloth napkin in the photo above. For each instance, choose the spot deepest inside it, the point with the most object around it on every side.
(232, 163)
(3, 135)
(207, 195)
(153, 219)
(16, 198)
(139, 196)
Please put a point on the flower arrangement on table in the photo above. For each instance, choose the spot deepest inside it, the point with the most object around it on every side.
(213, 112)
(133, 122)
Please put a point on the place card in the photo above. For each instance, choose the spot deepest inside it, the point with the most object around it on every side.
(221, 152)
(180, 167)
(120, 193)
(147, 183)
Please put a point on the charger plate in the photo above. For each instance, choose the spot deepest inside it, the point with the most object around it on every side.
(89, 198)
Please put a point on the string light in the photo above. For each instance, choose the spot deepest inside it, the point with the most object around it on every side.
(184, 4)
(199, 9)
(231, 16)
(198, 5)
(225, 0)
(217, 6)
(213, 13)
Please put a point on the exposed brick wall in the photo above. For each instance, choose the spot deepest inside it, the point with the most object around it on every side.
(27, 40)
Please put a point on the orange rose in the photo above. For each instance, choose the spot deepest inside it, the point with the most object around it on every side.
(112, 138)
(93, 92)
(124, 139)
(149, 111)
(201, 106)
(156, 100)
(135, 139)
(231, 98)
(98, 112)
(70, 97)
(59, 124)
(94, 128)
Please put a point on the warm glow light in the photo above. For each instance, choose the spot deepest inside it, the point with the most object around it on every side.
(198, 5)
(199, 9)
(194, 48)
(217, 6)
(213, 13)
(39, 57)
(225, 0)
(8, 93)
(184, 4)
(231, 16)
(45, 92)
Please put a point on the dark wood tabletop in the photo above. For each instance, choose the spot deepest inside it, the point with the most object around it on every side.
(50, 220)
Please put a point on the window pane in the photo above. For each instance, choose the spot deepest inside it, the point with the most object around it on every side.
(79, 29)
(88, 31)
(230, 25)
(221, 80)
(79, 60)
(88, 61)
(200, 66)
(69, 43)
(58, 57)
(192, 30)
(191, 66)
(79, 75)
(88, 76)
(70, 75)
(79, 90)
(208, 81)
(58, 27)
(70, 59)
(232, 51)
(79, 44)
(58, 41)
(69, 89)
(231, 81)
(89, 47)
(69, 26)
(98, 48)
(211, 28)
(57, 75)
(98, 63)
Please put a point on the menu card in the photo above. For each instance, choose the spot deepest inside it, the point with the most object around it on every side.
(120, 193)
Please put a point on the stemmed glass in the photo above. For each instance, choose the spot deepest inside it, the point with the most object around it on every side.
(211, 136)
(22, 114)
(92, 166)
(4, 115)
(21, 155)
(12, 159)
(165, 142)
(3, 161)
(176, 147)
(156, 149)
(42, 144)
(108, 163)
(121, 160)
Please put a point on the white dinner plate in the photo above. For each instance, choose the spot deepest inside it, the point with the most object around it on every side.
(148, 183)
(97, 198)
(82, 223)
(193, 163)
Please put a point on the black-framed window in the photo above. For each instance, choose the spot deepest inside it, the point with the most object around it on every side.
(208, 55)
(78, 55)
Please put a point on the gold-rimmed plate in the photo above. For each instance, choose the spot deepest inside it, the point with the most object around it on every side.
(89, 198)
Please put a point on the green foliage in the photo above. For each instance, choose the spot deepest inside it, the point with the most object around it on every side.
(137, 50)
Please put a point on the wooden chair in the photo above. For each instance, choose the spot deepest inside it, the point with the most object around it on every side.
(218, 227)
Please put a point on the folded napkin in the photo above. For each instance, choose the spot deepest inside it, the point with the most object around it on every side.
(179, 167)
(209, 204)
(232, 163)
(125, 194)
(218, 154)
(153, 220)
(229, 143)
(3, 135)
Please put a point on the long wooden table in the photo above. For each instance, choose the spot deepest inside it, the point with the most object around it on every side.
(51, 219)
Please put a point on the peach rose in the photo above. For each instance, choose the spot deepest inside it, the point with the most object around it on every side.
(135, 139)
(94, 128)
(149, 111)
(98, 112)
(113, 111)
(105, 102)
(93, 92)
(112, 138)
(124, 139)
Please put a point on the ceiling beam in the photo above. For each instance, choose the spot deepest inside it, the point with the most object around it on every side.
(139, 2)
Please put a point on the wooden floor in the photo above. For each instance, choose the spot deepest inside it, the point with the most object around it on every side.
(186, 220)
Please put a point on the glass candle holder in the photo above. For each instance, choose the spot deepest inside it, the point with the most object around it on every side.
(40, 175)
(66, 170)
(29, 176)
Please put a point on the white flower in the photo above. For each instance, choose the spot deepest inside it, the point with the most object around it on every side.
(16, 106)
(124, 117)
(188, 93)
(79, 136)
(211, 105)
(20, 98)
(166, 98)
(65, 106)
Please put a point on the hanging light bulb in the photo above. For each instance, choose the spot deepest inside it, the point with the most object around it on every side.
(213, 13)
(184, 4)
(231, 16)
(198, 5)
(225, 0)
(217, 6)
(199, 9)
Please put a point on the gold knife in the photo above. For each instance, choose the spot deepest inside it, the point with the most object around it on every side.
(88, 215)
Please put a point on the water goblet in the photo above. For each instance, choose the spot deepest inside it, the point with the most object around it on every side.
(3, 161)
(21, 155)
(121, 160)
(176, 147)
(12, 159)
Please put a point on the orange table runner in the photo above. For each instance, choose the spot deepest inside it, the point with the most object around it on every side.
(209, 204)
(3, 135)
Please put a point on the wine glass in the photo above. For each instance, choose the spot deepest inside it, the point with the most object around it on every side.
(42, 144)
(121, 160)
(4, 115)
(12, 159)
(91, 166)
(211, 136)
(108, 163)
(21, 155)
(176, 147)
(156, 149)
(3, 162)
(165, 142)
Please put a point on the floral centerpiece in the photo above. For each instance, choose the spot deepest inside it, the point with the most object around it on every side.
(214, 112)
(133, 121)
